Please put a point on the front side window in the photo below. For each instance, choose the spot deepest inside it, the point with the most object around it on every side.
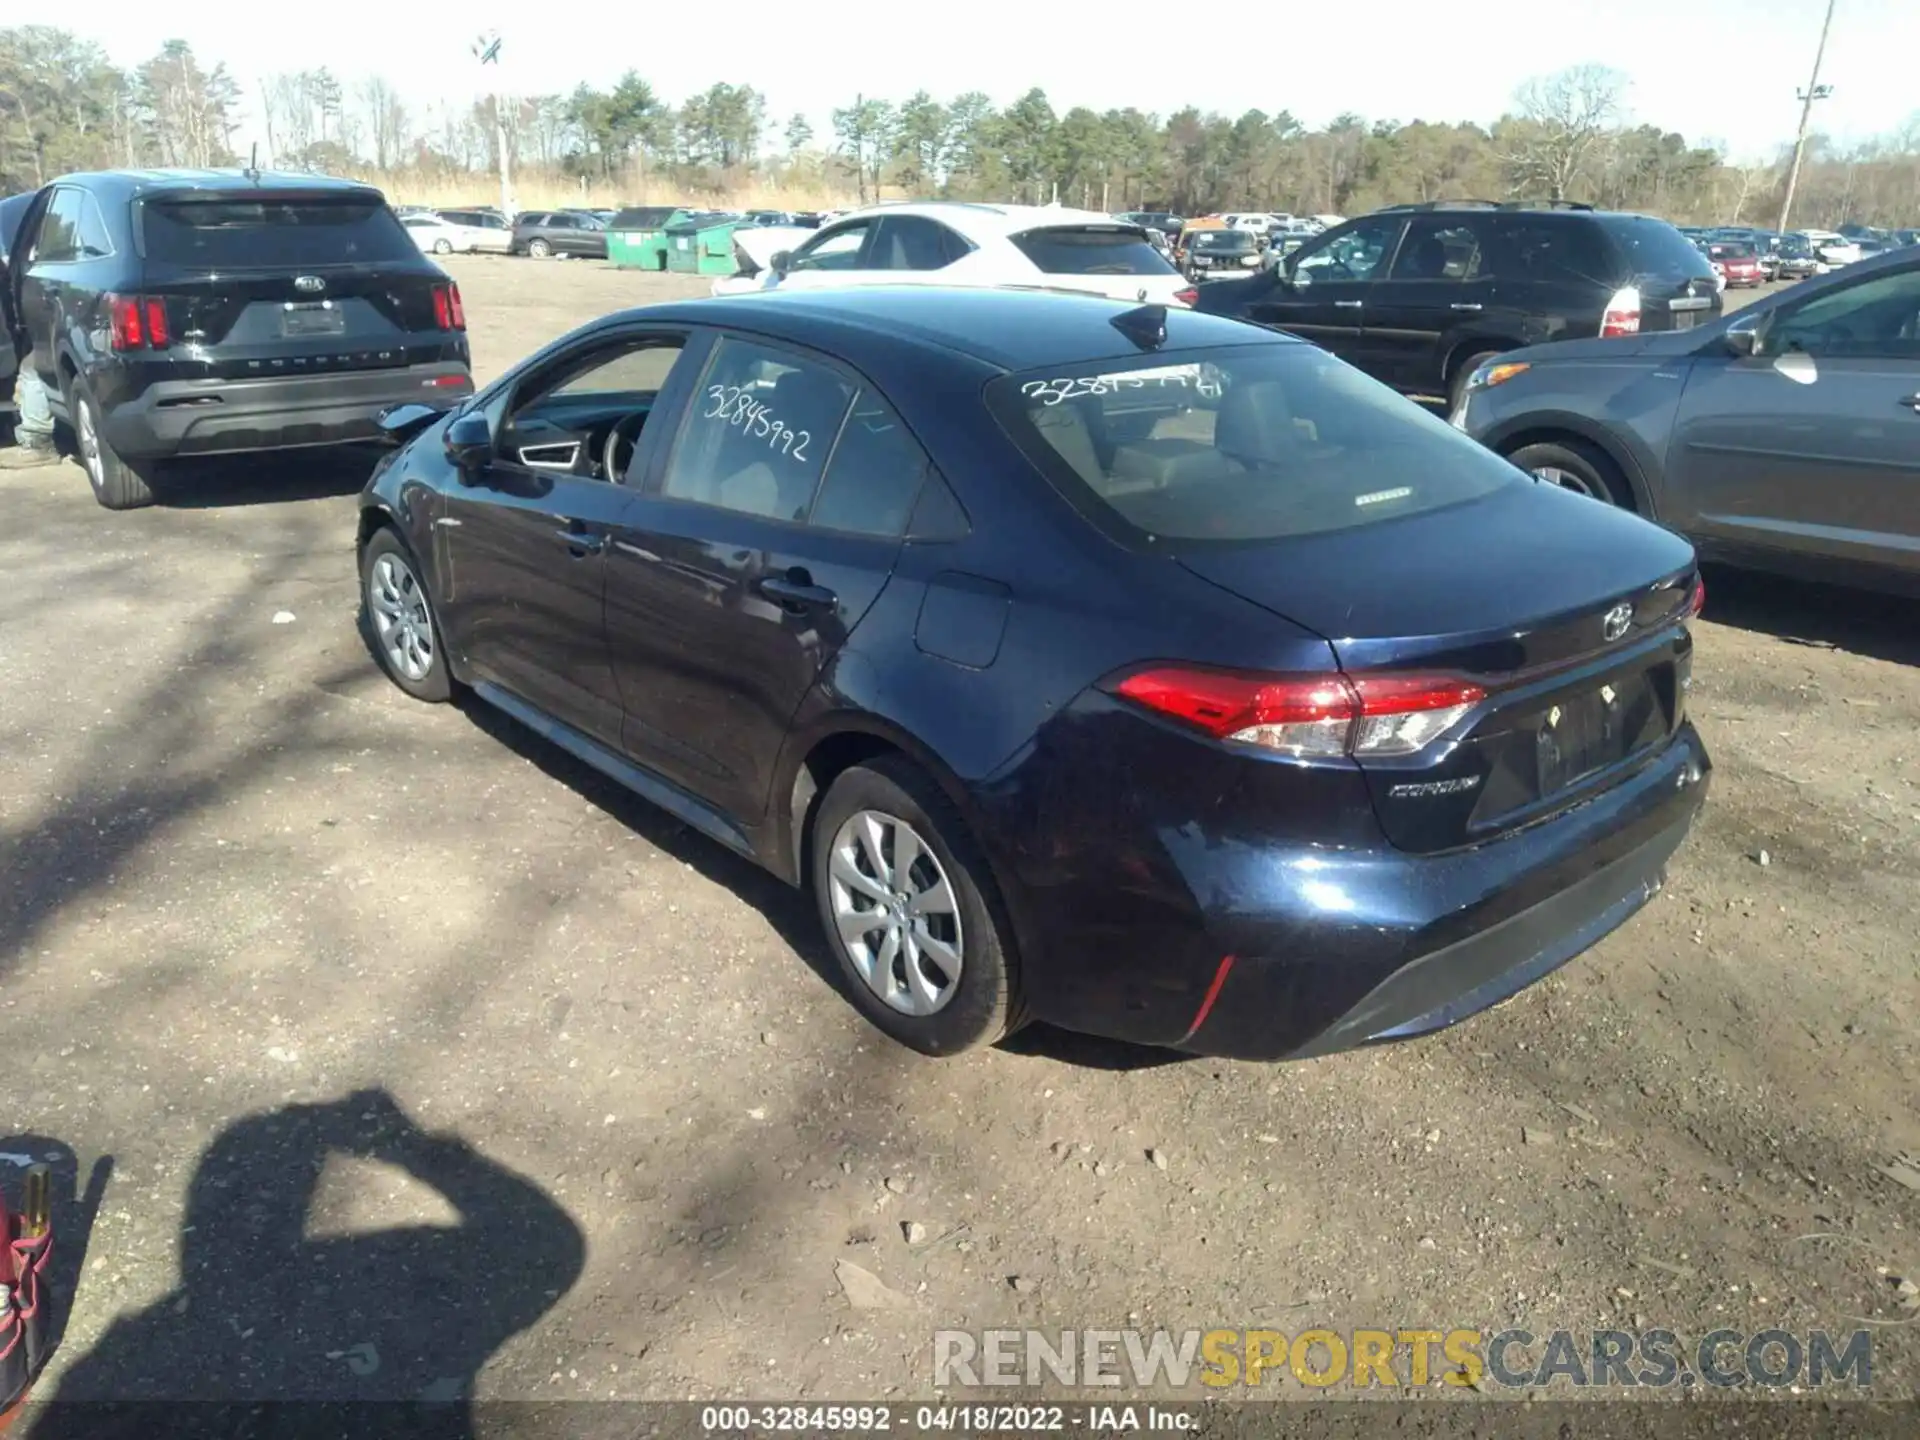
(583, 416)
(1875, 319)
(758, 432)
(834, 250)
(1241, 444)
(1358, 254)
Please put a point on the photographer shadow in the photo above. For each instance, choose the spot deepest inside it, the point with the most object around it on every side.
(264, 1312)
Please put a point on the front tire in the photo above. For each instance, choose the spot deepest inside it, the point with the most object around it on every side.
(539, 249)
(398, 619)
(443, 247)
(117, 485)
(1577, 466)
(911, 911)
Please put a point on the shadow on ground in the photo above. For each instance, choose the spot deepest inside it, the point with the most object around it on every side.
(1827, 616)
(266, 1311)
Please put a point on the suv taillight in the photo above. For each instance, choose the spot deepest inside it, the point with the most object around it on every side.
(137, 322)
(1327, 715)
(1189, 296)
(448, 313)
(1622, 316)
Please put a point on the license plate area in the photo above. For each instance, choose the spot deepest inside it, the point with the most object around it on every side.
(1683, 319)
(323, 317)
(1590, 729)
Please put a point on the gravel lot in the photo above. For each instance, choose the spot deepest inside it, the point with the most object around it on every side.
(405, 1056)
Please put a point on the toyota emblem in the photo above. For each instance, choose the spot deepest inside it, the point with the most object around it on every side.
(1618, 621)
(309, 284)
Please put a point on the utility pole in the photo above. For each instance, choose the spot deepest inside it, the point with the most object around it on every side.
(1814, 91)
(487, 50)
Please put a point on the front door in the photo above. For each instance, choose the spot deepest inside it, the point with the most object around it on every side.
(1322, 291)
(523, 539)
(1812, 445)
(1435, 290)
(757, 546)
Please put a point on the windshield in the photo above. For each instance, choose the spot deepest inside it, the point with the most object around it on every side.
(1243, 444)
(238, 234)
(1223, 240)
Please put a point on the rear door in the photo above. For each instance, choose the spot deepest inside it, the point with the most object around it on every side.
(1812, 446)
(279, 284)
(1436, 291)
(1677, 285)
(761, 539)
(1117, 261)
(1324, 286)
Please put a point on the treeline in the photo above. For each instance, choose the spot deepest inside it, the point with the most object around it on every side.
(64, 107)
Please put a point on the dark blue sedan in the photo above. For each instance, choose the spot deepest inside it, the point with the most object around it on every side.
(1135, 670)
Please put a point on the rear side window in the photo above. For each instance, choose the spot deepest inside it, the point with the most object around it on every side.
(1236, 445)
(254, 234)
(874, 475)
(1081, 250)
(1653, 247)
(1557, 253)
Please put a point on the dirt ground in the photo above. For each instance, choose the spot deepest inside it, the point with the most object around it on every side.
(270, 934)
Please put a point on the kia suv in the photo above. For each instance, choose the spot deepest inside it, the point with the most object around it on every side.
(188, 313)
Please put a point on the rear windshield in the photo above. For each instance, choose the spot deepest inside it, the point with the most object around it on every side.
(1248, 443)
(1070, 250)
(1653, 247)
(244, 234)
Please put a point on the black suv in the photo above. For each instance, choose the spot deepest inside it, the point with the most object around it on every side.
(1418, 295)
(183, 313)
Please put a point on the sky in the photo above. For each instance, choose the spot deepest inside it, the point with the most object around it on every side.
(1722, 70)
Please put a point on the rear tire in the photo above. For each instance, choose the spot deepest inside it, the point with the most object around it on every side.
(117, 485)
(539, 249)
(948, 954)
(1578, 466)
(443, 247)
(1457, 382)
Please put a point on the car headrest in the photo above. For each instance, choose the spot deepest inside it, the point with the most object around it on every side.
(1254, 424)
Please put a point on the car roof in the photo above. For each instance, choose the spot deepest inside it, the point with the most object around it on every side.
(1010, 329)
(980, 222)
(159, 181)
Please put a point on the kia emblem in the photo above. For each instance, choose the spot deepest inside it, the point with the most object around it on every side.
(309, 284)
(1618, 621)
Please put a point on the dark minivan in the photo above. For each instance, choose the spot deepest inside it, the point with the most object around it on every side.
(192, 312)
(1419, 295)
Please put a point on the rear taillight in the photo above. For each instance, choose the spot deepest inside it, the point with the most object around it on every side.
(1307, 715)
(137, 322)
(1697, 601)
(1622, 315)
(1188, 296)
(448, 313)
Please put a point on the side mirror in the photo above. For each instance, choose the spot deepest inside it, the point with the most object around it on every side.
(782, 261)
(1743, 336)
(469, 442)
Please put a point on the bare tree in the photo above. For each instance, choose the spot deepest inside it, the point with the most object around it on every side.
(1566, 122)
(386, 122)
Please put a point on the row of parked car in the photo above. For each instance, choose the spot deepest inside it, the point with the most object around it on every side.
(1745, 255)
(542, 233)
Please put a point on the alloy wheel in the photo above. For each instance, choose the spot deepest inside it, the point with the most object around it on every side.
(400, 617)
(88, 437)
(895, 912)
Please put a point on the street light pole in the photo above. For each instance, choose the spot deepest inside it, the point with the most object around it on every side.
(1814, 91)
(487, 49)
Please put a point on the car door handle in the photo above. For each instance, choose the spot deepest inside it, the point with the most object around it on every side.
(1346, 304)
(1464, 305)
(798, 593)
(580, 540)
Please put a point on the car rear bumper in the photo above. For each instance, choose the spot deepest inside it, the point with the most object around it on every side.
(209, 417)
(1295, 949)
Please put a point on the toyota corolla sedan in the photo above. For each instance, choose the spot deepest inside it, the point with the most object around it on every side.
(1122, 667)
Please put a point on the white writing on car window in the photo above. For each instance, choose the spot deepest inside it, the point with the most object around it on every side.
(733, 405)
(1056, 392)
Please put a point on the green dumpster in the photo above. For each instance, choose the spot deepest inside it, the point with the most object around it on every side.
(703, 245)
(637, 237)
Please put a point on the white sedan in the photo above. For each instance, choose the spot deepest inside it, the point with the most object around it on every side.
(435, 237)
(1033, 247)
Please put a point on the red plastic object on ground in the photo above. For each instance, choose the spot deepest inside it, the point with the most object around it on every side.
(26, 1249)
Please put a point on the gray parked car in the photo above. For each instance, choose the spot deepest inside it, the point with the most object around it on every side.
(1783, 437)
(541, 233)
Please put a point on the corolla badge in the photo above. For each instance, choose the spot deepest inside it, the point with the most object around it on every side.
(309, 284)
(1617, 622)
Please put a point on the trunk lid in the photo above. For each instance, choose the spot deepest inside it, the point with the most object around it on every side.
(1567, 612)
(286, 283)
(1676, 283)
